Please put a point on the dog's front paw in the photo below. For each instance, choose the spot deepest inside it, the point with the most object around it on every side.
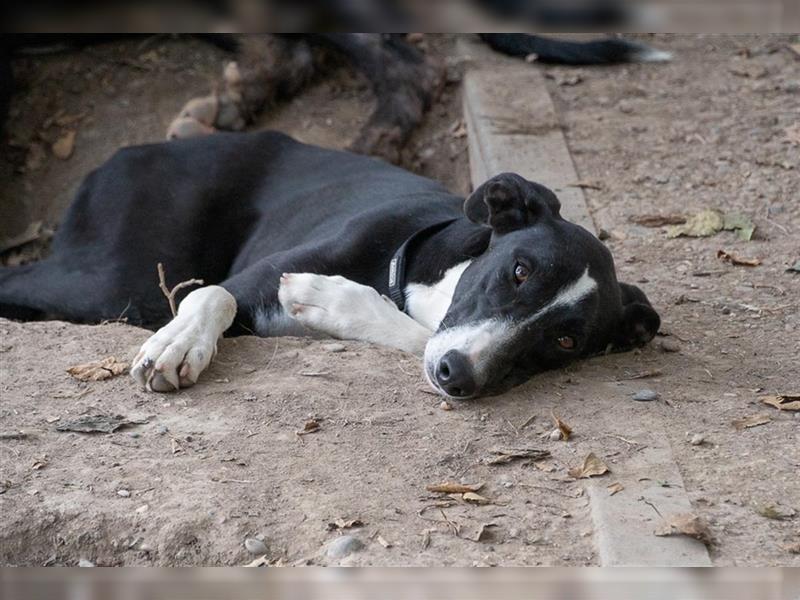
(174, 356)
(330, 304)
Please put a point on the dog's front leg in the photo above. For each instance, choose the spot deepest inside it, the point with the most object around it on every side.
(348, 310)
(177, 353)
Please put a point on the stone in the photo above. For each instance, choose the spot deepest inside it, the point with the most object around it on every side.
(344, 546)
(255, 546)
(669, 345)
(645, 395)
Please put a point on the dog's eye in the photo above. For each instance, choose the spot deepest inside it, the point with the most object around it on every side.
(566, 342)
(521, 273)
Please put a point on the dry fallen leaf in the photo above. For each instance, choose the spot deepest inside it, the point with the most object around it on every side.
(752, 71)
(311, 426)
(591, 467)
(753, 421)
(565, 429)
(658, 220)
(793, 548)
(737, 260)
(63, 146)
(586, 185)
(543, 466)
(783, 401)
(98, 370)
(450, 487)
(703, 224)
(615, 488)
(777, 513)
(99, 423)
(686, 524)
(344, 524)
(382, 541)
(506, 455)
(473, 498)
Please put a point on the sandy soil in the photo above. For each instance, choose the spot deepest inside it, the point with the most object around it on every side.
(222, 462)
(709, 130)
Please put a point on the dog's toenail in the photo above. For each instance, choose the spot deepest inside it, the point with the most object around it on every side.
(148, 362)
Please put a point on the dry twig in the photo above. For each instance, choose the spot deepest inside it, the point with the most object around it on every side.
(170, 293)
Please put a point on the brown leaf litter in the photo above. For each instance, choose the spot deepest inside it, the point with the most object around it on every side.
(783, 401)
(751, 421)
(615, 488)
(99, 369)
(686, 524)
(450, 487)
(344, 524)
(591, 467)
(658, 220)
(776, 512)
(473, 498)
(99, 423)
(561, 426)
(737, 260)
(311, 426)
(504, 456)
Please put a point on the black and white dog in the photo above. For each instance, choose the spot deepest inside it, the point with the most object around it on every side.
(296, 239)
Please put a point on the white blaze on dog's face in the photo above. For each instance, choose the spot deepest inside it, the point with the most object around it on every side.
(542, 294)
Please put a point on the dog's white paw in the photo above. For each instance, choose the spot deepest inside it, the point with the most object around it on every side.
(332, 304)
(176, 354)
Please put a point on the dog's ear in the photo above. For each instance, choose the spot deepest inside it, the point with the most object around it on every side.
(508, 202)
(639, 323)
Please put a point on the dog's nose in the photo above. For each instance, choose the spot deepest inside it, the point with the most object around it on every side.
(454, 375)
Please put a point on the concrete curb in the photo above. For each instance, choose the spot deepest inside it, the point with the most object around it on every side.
(512, 126)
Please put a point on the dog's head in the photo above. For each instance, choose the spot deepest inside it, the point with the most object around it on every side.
(542, 294)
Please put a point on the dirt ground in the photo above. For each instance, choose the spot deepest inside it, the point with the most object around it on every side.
(223, 462)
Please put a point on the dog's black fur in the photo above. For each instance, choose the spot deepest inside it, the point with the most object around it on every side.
(241, 209)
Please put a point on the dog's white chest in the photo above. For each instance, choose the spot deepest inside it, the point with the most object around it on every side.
(428, 304)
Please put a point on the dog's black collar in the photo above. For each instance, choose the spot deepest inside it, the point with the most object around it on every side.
(397, 266)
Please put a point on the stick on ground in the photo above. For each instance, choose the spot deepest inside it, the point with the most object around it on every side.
(170, 293)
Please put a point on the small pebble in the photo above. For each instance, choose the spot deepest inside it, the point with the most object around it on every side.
(645, 396)
(625, 106)
(445, 405)
(123, 493)
(255, 546)
(85, 563)
(555, 435)
(670, 345)
(697, 439)
(334, 347)
(343, 546)
(162, 429)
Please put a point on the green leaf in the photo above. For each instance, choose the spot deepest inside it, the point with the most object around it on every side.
(741, 224)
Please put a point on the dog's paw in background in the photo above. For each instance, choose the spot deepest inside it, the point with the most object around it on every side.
(345, 309)
(176, 354)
